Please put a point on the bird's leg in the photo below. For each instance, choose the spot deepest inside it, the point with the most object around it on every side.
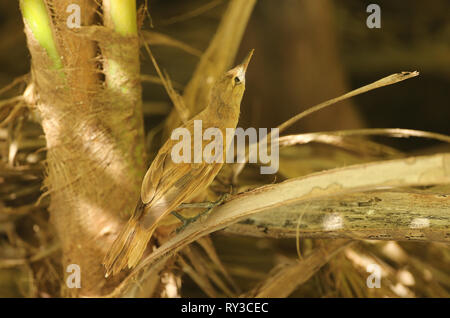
(208, 205)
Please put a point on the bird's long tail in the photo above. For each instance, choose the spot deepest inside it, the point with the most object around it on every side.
(128, 247)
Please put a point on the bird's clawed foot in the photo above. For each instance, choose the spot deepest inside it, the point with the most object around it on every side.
(208, 205)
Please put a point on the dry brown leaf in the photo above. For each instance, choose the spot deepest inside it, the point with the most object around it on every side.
(385, 81)
(284, 279)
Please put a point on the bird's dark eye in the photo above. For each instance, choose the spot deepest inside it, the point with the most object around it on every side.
(237, 80)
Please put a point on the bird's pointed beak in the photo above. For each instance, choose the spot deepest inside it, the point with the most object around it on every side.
(246, 60)
(240, 69)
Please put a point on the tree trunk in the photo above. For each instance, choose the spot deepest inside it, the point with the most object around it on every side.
(94, 133)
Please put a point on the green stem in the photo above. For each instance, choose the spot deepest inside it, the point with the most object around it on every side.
(35, 14)
(124, 18)
(121, 16)
(122, 65)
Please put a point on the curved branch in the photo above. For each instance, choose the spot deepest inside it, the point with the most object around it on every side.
(404, 215)
(414, 171)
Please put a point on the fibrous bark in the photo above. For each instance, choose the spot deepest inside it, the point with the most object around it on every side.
(94, 134)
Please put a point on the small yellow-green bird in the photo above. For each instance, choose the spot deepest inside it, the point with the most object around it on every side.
(168, 184)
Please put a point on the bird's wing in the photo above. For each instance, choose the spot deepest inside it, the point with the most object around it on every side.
(163, 168)
(168, 184)
(176, 187)
(153, 177)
